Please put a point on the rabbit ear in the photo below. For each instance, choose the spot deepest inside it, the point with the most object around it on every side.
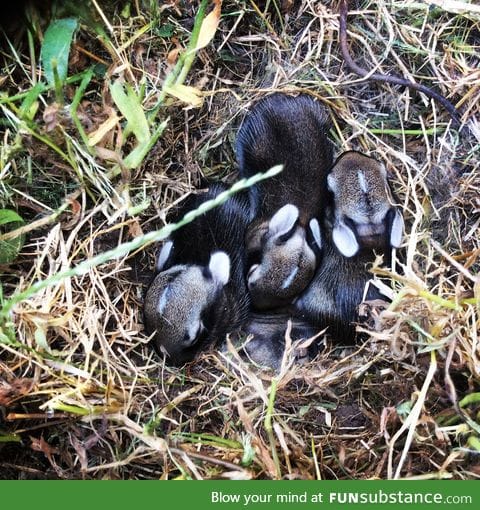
(283, 221)
(396, 229)
(219, 266)
(345, 240)
(164, 255)
(314, 230)
(163, 299)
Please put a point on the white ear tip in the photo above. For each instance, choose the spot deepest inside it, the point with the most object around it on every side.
(345, 241)
(397, 230)
(283, 220)
(163, 255)
(290, 210)
(315, 229)
(219, 266)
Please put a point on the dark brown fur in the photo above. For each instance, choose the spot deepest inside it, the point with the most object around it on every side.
(291, 131)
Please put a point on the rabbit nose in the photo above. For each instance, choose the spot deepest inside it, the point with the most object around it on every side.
(367, 230)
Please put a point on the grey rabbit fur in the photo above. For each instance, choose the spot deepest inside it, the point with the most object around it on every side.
(268, 330)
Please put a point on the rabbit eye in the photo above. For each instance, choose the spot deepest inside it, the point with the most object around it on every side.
(207, 273)
(350, 222)
(186, 339)
(189, 340)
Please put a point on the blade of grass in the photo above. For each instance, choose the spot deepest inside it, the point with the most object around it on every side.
(185, 60)
(42, 87)
(75, 103)
(410, 423)
(130, 106)
(269, 427)
(56, 48)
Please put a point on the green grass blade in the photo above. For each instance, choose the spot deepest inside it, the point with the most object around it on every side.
(130, 107)
(135, 157)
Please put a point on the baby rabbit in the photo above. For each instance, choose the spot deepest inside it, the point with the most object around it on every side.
(199, 294)
(267, 346)
(362, 221)
(284, 241)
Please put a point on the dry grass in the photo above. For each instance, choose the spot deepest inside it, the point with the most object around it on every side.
(81, 393)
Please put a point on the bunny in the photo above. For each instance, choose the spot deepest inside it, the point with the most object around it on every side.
(199, 293)
(284, 241)
(268, 331)
(362, 221)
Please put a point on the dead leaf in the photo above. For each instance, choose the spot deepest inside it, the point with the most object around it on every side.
(135, 229)
(40, 445)
(80, 450)
(18, 388)
(209, 26)
(72, 218)
(286, 6)
(108, 155)
(76, 206)
(51, 116)
(172, 56)
(185, 93)
(105, 127)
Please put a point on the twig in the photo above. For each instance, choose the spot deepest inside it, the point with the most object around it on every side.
(205, 458)
(388, 78)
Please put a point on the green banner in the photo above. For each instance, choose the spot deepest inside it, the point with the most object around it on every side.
(199, 495)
